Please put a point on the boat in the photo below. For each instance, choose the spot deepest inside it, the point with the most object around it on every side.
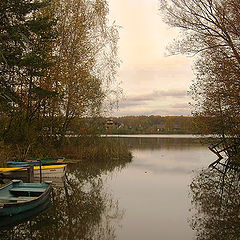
(51, 171)
(37, 162)
(7, 222)
(33, 163)
(47, 160)
(18, 197)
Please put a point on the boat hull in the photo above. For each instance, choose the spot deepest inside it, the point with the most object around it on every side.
(18, 207)
(26, 164)
(36, 162)
(51, 171)
(10, 221)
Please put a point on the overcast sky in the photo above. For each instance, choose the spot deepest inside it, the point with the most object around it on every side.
(153, 83)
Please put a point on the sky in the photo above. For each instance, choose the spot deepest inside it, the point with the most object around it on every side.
(152, 82)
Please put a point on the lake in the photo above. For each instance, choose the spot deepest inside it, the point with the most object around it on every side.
(147, 198)
(154, 189)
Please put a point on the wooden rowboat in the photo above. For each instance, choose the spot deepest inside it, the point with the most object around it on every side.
(7, 222)
(11, 164)
(37, 161)
(51, 171)
(47, 160)
(18, 197)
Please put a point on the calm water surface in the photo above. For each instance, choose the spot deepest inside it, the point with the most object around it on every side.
(147, 198)
(154, 188)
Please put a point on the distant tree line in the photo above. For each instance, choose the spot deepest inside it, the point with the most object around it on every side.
(58, 60)
(147, 125)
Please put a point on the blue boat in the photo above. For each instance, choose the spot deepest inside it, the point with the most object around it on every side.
(18, 197)
(33, 163)
(47, 160)
(7, 222)
(36, 162)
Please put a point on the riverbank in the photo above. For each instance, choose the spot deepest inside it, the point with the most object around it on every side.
(152, 135)
(86, 148)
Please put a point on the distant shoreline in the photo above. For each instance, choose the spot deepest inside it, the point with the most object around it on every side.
(154, 135)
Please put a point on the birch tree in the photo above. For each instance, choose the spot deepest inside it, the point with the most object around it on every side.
(86, 60)
(210, 32)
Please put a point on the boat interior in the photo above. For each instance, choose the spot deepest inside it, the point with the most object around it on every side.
(20, 192)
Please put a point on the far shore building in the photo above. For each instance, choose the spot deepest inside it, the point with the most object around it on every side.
(110, 124)
(161, 127)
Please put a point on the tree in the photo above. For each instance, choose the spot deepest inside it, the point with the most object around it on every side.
(24, 47)
(85, 61)
(26, 34)
(58, 61)
(210, 30)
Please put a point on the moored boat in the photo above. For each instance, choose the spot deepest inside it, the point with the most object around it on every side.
(7, 222)
(18, 197)
(47, 160)
(51, 171)
(37, 162)
(33, 163)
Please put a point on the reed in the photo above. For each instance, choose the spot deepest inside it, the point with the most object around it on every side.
(87, 148)
(96, 149)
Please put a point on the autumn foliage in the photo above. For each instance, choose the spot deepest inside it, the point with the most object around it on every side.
(58, 60)
(210, 32)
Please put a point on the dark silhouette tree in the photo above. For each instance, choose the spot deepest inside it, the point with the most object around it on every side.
(210, 30)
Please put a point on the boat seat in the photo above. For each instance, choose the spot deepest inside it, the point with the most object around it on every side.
(33, 190)
(14, 199)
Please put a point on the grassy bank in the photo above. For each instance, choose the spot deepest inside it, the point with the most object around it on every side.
(89, 149)
(95, 149)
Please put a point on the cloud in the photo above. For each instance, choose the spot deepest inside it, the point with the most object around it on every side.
(180, 105)
(166, 71)
(138, 111)
(153, 83)
(173, 102)
(154, 96)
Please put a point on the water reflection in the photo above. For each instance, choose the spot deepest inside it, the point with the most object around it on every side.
(161, 143)
(81, 209)
(174, 156)
(152, 190)
(216, 204)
